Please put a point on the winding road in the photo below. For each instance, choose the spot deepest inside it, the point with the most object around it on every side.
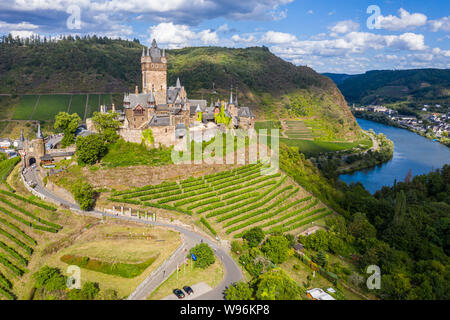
(190, 238)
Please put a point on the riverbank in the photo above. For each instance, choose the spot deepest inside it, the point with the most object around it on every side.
(333, 165)
(384, 119)
(411, 152)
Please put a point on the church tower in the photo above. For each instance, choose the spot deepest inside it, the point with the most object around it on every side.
(154, 73)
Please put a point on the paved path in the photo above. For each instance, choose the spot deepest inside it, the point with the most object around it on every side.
(190, 239)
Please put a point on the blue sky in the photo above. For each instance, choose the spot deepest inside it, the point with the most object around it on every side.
(329, 36)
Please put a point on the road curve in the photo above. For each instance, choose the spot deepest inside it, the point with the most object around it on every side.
(190, 238)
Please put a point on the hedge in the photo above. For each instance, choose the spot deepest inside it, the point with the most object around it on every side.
(26, 222)
(292, 214)
(222, 211)
(264, 210)
(32, 216)
(7, 294)
(38, 204)
(203, 203)
(152, 192)
(18, 230)
(194, 199)
(304, 222)
(14, 253)
(211, 207)
(17, 241)
(167, 207)
(11, 266)
(207, 225)
(149, 187)
(125, 201)
(184, 195)
(5, 282)
(160, 195)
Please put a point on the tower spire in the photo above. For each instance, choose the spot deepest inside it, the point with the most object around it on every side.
(231, 95)
(143, 51)
(178, 85)
(39, 133)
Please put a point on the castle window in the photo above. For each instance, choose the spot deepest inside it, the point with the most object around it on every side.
(152, 65)
(166, 130)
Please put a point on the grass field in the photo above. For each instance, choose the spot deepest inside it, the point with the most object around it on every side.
(50, 105)
(120, 243)
(234, 201)
(188, 276)
(93, 104)
(78, 104)
(25, 108)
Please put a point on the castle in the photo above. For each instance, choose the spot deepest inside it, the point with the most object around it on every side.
(168, 111)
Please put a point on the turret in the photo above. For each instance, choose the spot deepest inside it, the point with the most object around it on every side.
(178, 85)
(39, 134)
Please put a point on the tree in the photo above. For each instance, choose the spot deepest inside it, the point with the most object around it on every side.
(239, 291)
(68, 123)
(50, 279)
(254, 236)
(236, 247)
(321, 258)
(147, 137)
(276, 285)
(107, 125)
(317, 241)
(276, 248)
(83, 193)
(205, 255)
(361, 228)
(90, 149)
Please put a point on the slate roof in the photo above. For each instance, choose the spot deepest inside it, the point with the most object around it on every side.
(158, 121)
(172, 94)
(245, 112)
(140, 98)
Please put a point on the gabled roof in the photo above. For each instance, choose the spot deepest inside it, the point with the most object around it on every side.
(159, 121)
(245, 112)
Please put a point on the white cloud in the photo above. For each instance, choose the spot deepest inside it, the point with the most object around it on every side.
(441, 24)
(344, 27)
(223, 28)
(405, 21)
(310, 12)
(238, 39)
(176, 36)
(22, 33)
(278, 37)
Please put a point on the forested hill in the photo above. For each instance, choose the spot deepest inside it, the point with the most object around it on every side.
(274, 87)
(417, 86)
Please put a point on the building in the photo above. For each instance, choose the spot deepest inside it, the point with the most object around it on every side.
(167, 110)
(318, 294)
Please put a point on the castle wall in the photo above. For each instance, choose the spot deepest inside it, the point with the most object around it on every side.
(164, 135)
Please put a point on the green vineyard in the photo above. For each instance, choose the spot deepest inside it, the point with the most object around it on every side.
(20, 223)
(231, 202)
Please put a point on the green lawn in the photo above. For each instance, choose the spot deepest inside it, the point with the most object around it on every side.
(93, 104)
(50, 105)
(105, 99)
(78, 104)
(25, 107)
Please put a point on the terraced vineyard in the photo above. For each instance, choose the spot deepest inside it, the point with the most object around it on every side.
(231, 202)
(298, 130)
(19, 228)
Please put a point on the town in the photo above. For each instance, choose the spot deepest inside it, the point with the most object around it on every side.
(432, 125)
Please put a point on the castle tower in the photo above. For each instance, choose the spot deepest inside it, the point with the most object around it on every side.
(38, 145)
(154, 73)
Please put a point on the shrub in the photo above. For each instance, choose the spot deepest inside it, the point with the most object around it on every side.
(276, 248)
(90, 149)
(254, 236)
(83, 193)
(205, 255)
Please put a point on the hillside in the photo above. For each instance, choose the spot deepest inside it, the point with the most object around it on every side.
(417, 87)
(272, 87)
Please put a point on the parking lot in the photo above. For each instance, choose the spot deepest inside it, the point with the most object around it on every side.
(199, 289)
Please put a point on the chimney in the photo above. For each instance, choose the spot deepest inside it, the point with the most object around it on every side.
(137, 90)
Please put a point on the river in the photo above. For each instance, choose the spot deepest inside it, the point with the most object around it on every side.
(411, 151)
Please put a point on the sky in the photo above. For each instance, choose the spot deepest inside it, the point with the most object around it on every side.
(351, 36)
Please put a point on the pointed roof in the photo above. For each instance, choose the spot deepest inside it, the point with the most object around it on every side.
(148, 52)
(231, 97)
(198, 108)
(151, 99)
(154, 45)
(164, 53)
(143, 51)
(39, 133)
(178, 85)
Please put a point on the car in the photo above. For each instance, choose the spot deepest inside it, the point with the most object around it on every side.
(188, 290)
(178, 293)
